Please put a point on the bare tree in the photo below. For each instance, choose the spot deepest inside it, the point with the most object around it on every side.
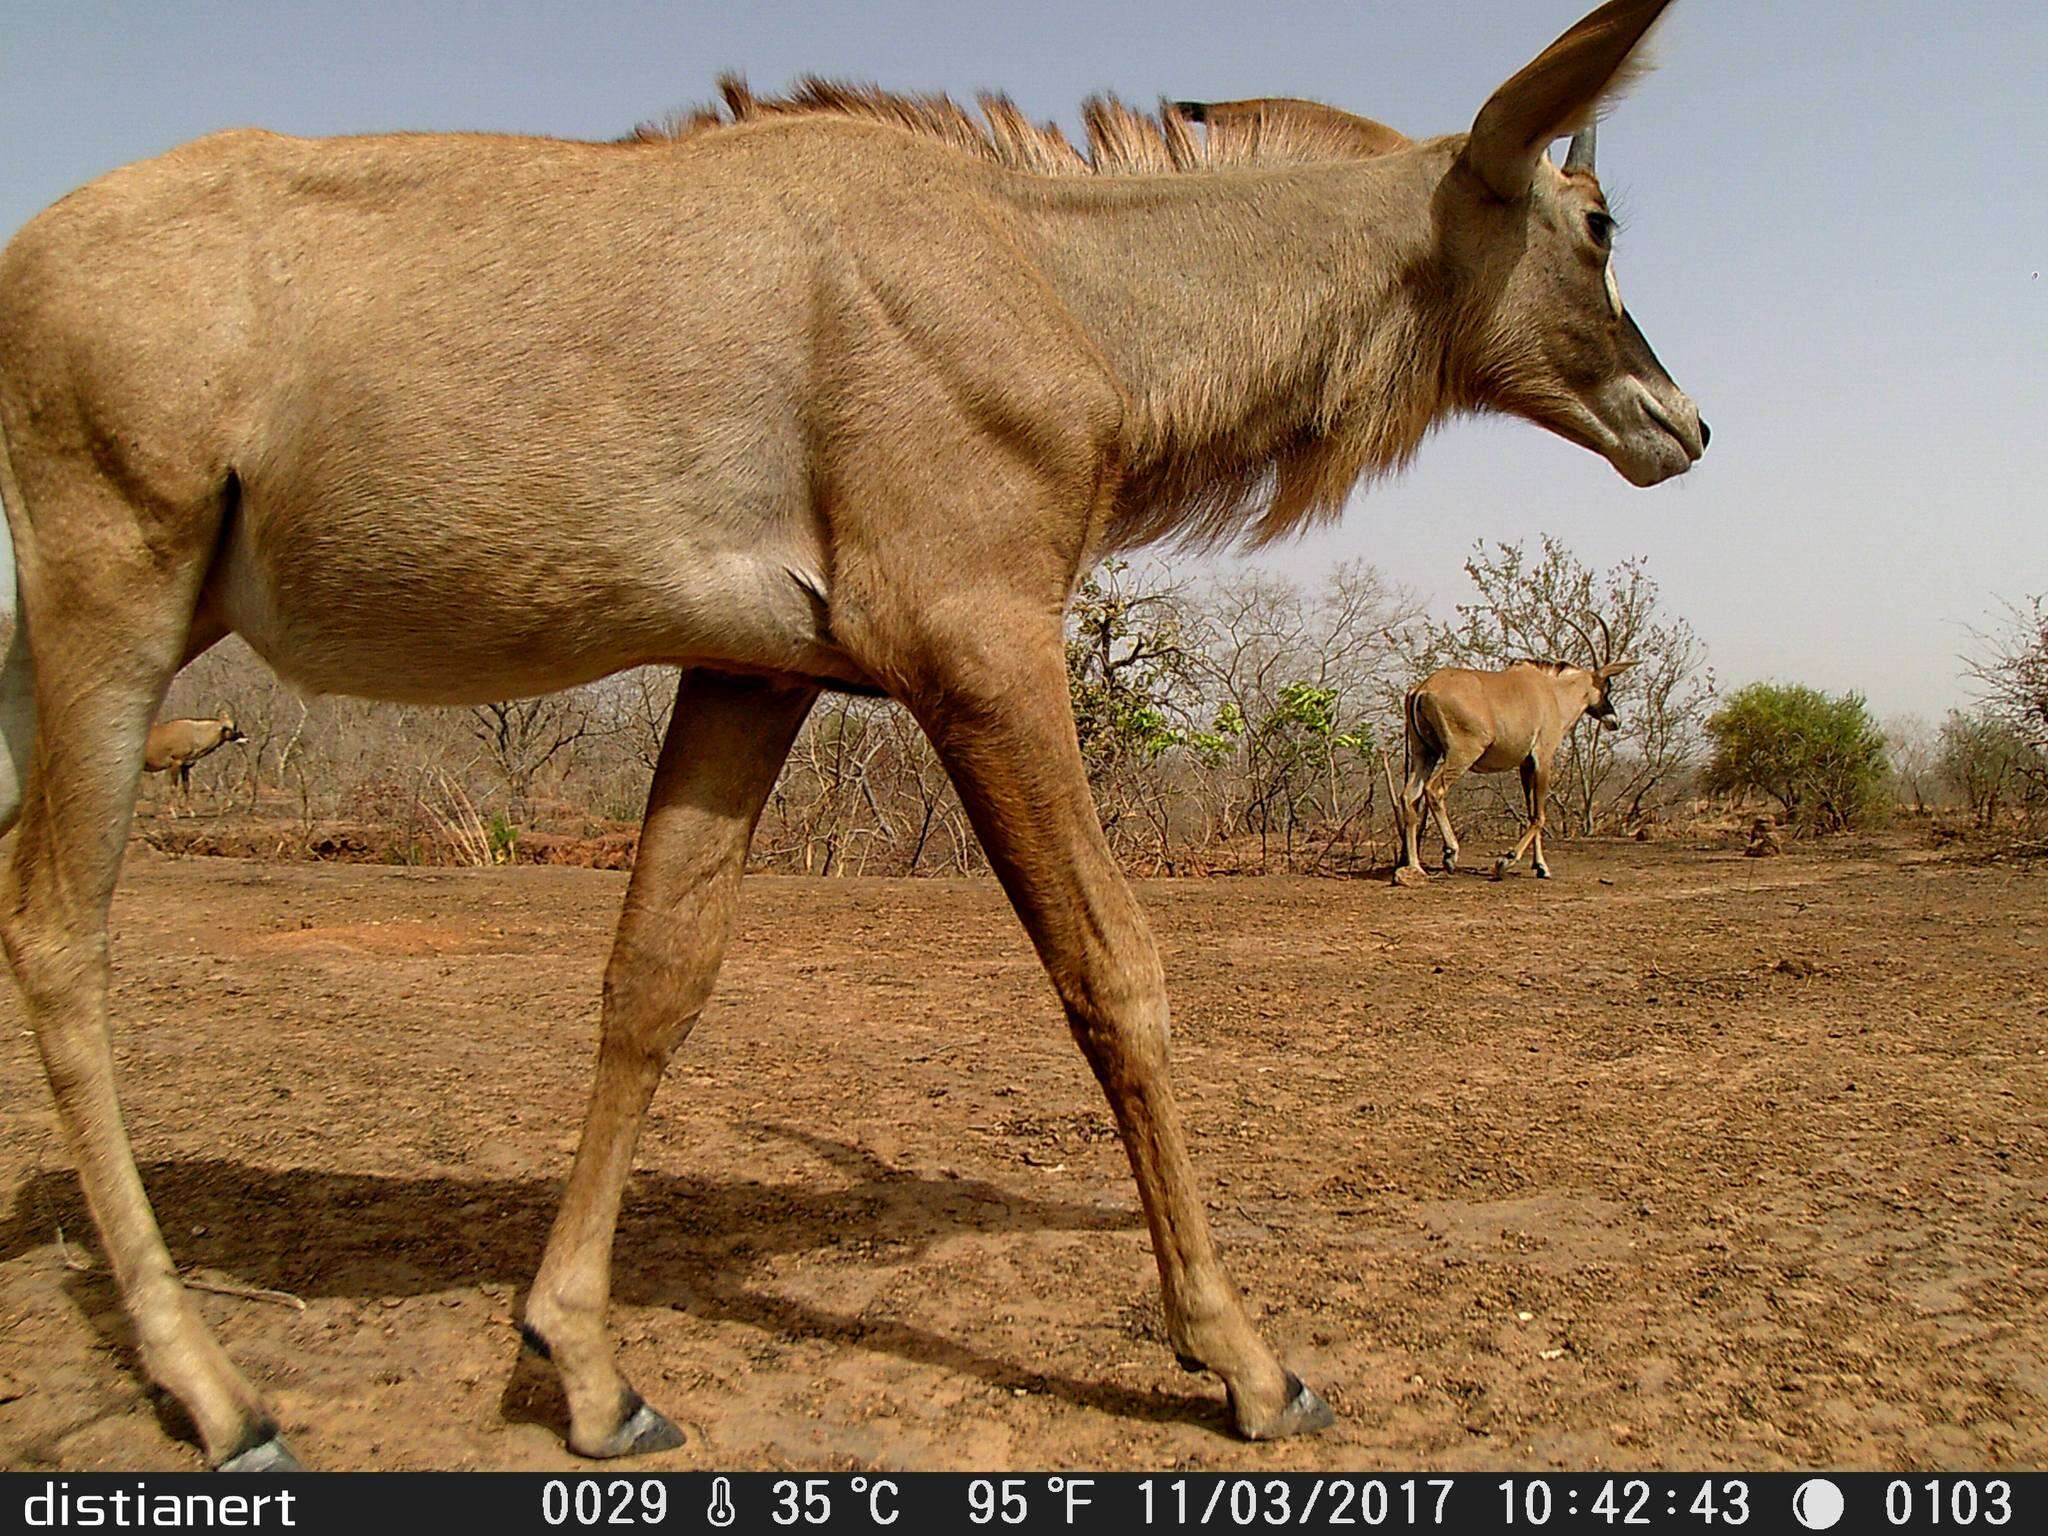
(520, 737)
(2010, 668)
(1914, 747)
(2000, 750)
(824, 807)
(637, 707)
(1299, 681)
(1133, 679)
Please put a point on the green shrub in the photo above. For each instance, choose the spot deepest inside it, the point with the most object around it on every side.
(504, 838)
(1989, 763)
(1819, 755)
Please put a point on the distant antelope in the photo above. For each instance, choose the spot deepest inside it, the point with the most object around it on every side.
(843, 390)
(1461, 721)
(178, 744)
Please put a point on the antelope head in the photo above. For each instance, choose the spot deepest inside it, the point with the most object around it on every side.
(1598, 679)
(1530, 253)
(230, 733)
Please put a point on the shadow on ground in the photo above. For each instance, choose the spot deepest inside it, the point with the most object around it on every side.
(691, 1243)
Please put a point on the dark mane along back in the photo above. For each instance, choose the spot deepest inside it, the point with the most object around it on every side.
(1122, 141)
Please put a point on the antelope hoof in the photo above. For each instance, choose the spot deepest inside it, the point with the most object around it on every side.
(643, 1433)
(1542, 871)
(1450, 862)
(1500, 868)
(1303, 1414)
(1410, 875)
(271, 1455)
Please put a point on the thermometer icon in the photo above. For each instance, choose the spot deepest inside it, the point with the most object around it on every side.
(721, 1511)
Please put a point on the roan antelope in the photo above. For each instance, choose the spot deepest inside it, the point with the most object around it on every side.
(842, 390)
(1464, 721)
(178, 744)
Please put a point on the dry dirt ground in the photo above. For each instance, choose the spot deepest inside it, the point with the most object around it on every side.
(1682, 1159)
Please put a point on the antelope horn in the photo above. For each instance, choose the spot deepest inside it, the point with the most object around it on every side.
(1592, 650)
(1606, 651)
(1580, 156)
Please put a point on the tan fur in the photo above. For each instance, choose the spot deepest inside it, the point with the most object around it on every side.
(181, 743)
(175, 745)
(837, 390)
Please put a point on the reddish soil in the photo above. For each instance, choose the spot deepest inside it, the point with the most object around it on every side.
(1679, 1160)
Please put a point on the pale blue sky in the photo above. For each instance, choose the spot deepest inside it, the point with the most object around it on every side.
(1834, 215)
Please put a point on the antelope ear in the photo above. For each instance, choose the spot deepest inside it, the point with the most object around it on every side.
(1616, 668)
(1559, 93)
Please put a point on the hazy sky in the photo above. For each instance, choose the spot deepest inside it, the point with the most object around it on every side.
(1835, 220)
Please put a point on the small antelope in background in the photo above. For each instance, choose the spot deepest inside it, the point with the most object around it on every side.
(1460, 720)
(175, 745)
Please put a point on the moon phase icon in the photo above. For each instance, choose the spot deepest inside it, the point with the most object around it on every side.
(1817, 1504)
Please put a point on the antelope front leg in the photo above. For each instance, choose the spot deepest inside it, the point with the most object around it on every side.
(996, 707)
(726, 742)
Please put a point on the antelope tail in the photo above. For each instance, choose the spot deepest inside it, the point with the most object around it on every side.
(17, 671)
(1410, 731)
(1407, 738)
(1414, 731)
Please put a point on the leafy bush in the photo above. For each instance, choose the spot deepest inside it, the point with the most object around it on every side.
(1989, 764)
(1819, 756)
(504, 837)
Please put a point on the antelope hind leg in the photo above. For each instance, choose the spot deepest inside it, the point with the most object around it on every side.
(107, 611)
(726, 742)
(1413, 809)
(1438, 794)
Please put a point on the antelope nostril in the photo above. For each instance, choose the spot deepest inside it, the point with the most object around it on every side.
(1706, 434)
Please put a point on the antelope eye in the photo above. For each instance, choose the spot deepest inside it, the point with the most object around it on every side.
(1601, 228)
